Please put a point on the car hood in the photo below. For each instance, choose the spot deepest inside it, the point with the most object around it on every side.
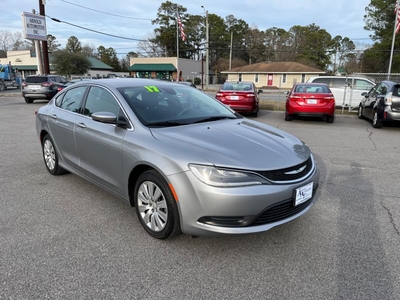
(243, 144)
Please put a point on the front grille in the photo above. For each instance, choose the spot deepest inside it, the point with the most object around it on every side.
(282, 174)
(282, 210)
(274, 213)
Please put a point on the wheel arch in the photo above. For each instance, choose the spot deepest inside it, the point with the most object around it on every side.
(42, 134)
(133, 177)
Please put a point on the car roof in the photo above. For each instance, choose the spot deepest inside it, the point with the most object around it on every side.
(125, 82)
(310, 84)
(233, 81)
(349, 78)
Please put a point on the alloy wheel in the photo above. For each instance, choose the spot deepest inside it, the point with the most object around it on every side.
(152, 206)
(49, 154)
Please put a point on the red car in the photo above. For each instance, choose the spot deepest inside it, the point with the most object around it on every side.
(241, 96)
(310, 100)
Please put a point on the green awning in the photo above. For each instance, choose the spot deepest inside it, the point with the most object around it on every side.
(152, 67)
(29, 67)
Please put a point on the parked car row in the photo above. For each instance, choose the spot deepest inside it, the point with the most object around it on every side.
(380, 104)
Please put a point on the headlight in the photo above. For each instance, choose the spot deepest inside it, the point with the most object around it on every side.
(225, 178)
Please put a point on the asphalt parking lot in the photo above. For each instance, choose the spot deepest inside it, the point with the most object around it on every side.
(64, 238)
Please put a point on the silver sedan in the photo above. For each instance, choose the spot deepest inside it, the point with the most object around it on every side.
(186, 162)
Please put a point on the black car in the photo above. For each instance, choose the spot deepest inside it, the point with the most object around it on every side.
(381, 104)
(41, 87)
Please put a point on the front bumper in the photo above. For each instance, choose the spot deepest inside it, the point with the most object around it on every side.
(208, 211)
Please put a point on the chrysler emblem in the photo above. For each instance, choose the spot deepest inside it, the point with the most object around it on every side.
(296, 171)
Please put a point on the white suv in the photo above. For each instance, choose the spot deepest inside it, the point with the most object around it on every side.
(347, 90)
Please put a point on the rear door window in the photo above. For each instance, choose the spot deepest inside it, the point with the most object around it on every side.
(362, 84)
(72, 99)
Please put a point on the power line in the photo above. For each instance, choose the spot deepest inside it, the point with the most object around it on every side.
(106, 13)
(99, 32)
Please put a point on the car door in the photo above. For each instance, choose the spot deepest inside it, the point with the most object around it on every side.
(62, 122)
(99, 144)
(374, 96)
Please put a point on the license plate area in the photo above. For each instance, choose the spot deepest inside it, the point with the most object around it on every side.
(303, 193)
(312, 101)
(34, 87)
(234, 98)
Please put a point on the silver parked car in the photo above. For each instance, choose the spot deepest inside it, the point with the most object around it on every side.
(185, 161)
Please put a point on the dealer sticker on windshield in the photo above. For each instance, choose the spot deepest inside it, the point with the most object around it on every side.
(302, 194)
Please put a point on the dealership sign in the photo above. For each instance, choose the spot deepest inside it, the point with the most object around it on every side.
(34, 26)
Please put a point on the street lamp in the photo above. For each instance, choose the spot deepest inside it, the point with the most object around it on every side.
(207, 46)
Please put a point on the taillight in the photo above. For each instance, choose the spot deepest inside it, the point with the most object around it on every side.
(329, 98)
(47, 83)
(250, 95)
(219, 95)
(388, 99)
(24, 84)
(295, 98)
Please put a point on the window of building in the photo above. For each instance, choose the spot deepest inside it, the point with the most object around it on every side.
(256, 78)
(240, 77)
(303, 78)
(284, 78)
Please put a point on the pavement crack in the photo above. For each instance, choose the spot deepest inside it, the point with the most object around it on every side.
(370, 138)
(391, 218)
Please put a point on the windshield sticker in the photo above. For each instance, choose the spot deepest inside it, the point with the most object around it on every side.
(152, 88)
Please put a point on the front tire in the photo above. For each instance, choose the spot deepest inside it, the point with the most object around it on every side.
(155, 206)
(376, 122)
(50, 157)
(360, 112)
(28, 100)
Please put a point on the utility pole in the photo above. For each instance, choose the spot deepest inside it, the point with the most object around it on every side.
(230, 54)
(44, 43)
(207, 48)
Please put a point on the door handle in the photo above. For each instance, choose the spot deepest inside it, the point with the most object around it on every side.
(81, 125)
(54, 117)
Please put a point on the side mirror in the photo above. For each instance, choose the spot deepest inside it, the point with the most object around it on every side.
(259, 91)
(110, 118)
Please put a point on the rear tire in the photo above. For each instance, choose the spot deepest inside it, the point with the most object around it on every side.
(155, 206)
(3, 86)
(288, 117)
(28, 100)
(50, 157)
(330, 119)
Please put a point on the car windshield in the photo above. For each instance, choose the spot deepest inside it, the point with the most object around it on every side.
(173, 105)
(237, 86)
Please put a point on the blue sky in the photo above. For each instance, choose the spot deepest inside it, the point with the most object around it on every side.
(132, 18)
